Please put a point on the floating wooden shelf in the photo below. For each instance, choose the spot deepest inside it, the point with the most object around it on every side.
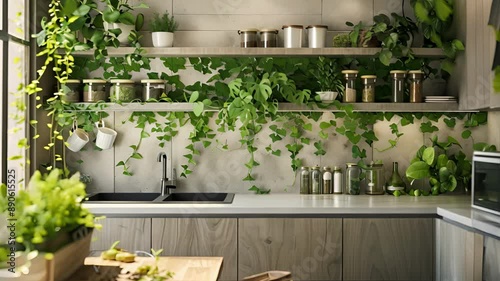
(283, 107)
(258, 52)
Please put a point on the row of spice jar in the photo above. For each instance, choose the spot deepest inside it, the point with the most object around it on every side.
(121, 90)
(398, 86)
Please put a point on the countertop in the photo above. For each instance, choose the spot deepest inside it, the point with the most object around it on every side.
(292, 204)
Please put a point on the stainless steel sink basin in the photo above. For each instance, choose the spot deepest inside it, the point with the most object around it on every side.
(132, 197)
(197, 198)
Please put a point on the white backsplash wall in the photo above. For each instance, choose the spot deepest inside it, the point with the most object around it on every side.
(215, 23)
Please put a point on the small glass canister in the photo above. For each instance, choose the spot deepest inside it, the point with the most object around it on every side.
(337, 180)
(316, 180)
(152, 89)
(94, 90)
(268, 38)
(122, 90)
(248, 37)
(350, 85)
(327, 183)
(375, 179)
(398, 85)
(305, 180)
(72, 91)
(352, 179)
(369, 87)
(416, 85)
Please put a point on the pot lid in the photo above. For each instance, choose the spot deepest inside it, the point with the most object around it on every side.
(248, 30)
(269, 30)
(317, 26)
(124, 81)
(398, 71)
(415, 72)
(73, 81)
(293, 26)
(368, 77)
(351, 164)
(350, 72)
(94, 81)
(155, 81)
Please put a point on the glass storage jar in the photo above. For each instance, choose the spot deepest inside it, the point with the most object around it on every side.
(248, 37)
(94, 90)
(350, 85)
(352, 179)
(316, 179)
(398, 85)
(327, 180)
(268, 38)
(305, 180)
(368, 88)
(416, 78)
(375, 179)
(122, 90)
(152, 89)
(72, 91)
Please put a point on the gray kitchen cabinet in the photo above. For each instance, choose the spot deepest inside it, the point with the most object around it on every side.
(388, 249)
(199, 237)
(459, 253)
(133, 234)
(491, 259)
(310, 248)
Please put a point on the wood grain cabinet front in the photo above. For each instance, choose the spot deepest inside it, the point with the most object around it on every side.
(491, 259)
(209, 237)
(133, 234)
(310, 248)
(388, 249)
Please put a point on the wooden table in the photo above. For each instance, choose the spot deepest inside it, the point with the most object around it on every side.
(184, 268)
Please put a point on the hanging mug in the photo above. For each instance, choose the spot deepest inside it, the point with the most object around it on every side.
(78, 138)
(105, 136)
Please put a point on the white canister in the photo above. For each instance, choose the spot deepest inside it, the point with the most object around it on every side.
(317, 35)
(293, 36)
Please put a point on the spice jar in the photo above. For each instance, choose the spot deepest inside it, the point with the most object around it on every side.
(268, 38)
(327, 182)
(350, 85)
(416, 82)
(337, 180)
(248, 38)
(352, 179)
(398, 85)
(122, 90)
(368, 88)
(305, 180)
(316, 180)
(293, 36)
(317, 35)
(375, 179)
(72, 91)
(94, 90)
(152, 89)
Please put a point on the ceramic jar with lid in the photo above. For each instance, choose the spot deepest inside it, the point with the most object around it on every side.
(293, 36)
(317, 35)
(268, 38)
(248, 37)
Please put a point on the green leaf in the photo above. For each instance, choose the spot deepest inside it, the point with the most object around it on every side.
(442, 160)
(81, 11)
(258, 190)
(428, 155)
(443, 9)
(450, 122)
(444, 174)
(418, 170)
(385, 57)
(451, 166)
(466, 134)
(496, 80)
(194, 97)
(127, 18)
(427, 127)
(110, 15)
(136, 155)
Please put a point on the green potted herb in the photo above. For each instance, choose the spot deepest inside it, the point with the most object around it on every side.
(341, 40)
(121, 22)
(163, 28)
(328, 78)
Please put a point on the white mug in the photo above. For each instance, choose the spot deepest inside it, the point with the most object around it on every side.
(105, 136)
(77, 140)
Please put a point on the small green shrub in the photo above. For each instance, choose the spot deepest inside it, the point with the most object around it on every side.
(164, 23)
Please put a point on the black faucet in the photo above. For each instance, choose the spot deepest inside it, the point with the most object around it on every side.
(162, 157)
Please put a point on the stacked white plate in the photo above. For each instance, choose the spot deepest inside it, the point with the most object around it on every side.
(440, 99)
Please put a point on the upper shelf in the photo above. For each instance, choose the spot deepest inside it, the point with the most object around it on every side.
(283, 107)
(258, 52)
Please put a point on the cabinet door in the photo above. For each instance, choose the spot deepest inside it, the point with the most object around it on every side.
(309, 248)
(133, 234)
(458, 253)
(199, 237)
(388, 249)
(491, 259)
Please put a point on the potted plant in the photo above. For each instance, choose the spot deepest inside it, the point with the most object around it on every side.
(163, 28)
(328, 78)
(50, 218)
(341, 40)
(120, 20)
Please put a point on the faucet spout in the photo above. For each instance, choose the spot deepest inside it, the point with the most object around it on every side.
(162, 157)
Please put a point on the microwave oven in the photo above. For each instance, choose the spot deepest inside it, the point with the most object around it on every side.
(486, 181)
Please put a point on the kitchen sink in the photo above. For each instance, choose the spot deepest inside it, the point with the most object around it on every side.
(197, 198)
(132, 197)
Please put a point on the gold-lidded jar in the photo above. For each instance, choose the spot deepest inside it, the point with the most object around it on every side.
(350, 85)
(416, 78)
(368, 88)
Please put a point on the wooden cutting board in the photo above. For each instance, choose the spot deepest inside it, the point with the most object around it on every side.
(184, 268)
